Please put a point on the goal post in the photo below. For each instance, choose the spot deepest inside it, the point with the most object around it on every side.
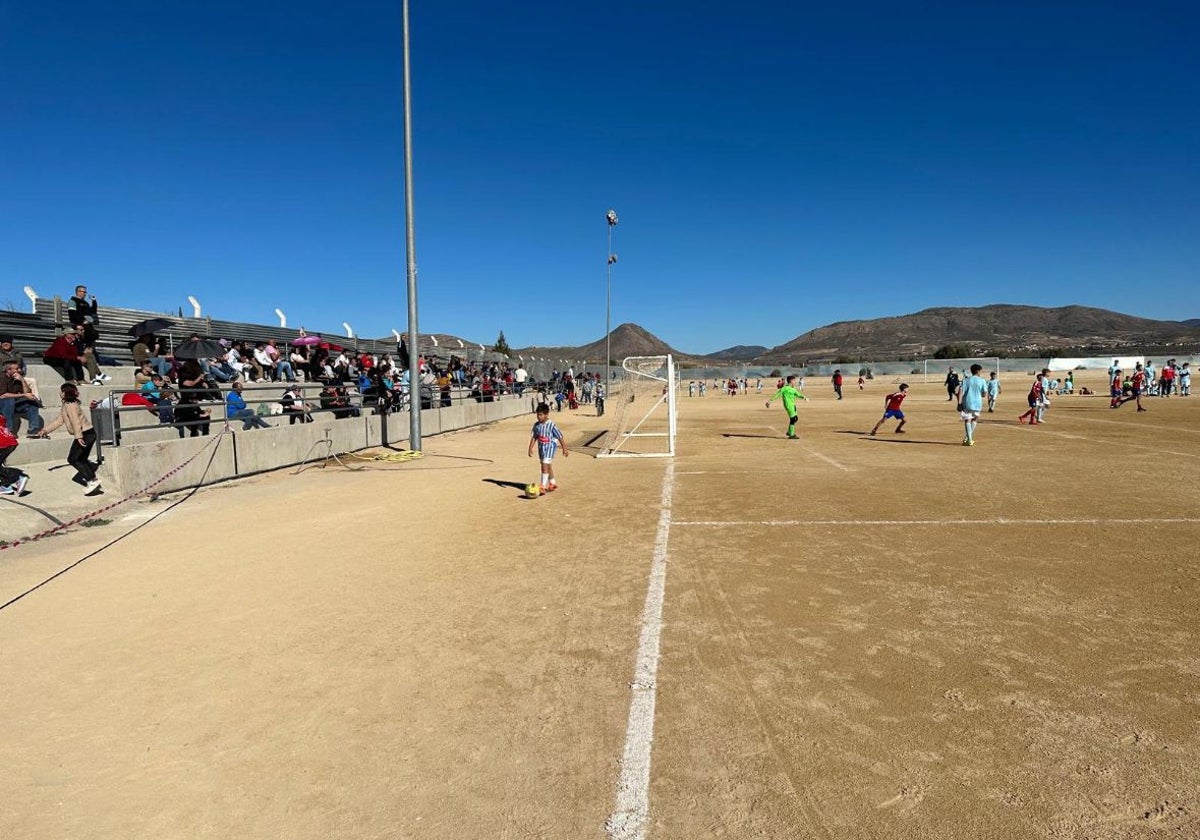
(643, 409)
(937, 367)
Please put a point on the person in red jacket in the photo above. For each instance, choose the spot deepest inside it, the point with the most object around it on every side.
(63, 355)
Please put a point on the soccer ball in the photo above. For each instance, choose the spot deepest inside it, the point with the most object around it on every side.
(532, 491)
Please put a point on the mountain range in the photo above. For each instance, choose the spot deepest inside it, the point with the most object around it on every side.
(995, 330)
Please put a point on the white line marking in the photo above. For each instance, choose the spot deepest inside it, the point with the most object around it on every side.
(815, 453)
(791, 523)
(631, 813)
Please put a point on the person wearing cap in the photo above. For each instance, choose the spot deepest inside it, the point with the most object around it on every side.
(63, 355)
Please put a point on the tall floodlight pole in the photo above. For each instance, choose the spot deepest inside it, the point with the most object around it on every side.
(414, 372)
(611, 216)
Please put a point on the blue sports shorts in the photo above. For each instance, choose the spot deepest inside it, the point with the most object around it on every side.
(894, 412)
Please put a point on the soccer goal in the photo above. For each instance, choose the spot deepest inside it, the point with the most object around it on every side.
(937, 368)
(642, 407)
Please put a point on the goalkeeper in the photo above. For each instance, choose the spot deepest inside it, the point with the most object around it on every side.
(789, 394)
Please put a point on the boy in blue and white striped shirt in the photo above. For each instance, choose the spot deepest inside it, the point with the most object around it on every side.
(547, 438)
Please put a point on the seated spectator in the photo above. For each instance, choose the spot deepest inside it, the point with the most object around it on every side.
(337, 401)
(63, 356)
(87, 354)
(283, 367)
(295, 407)
(236, 409)
(299, 360)
(157, 395)
(17, 400)
(9, 353)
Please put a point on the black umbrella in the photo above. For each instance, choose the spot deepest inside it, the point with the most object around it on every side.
(199, 348)
(150, 325)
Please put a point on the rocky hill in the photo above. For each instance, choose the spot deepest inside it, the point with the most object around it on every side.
(737, 353)
(996, 330)
(626, 340)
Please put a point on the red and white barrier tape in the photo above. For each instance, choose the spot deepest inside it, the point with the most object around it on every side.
(77, 520)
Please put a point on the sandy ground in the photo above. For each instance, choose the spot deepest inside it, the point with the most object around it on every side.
(862, 638)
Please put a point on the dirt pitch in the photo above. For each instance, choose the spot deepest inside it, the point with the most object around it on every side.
(861, 638)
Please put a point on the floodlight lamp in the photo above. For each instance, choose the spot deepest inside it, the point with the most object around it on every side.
(611, 215)
(612, 258)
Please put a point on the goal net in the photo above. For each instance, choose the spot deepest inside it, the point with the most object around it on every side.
(642, 409)
(936, 369)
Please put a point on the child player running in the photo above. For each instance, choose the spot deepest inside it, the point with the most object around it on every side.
(891, 408)
(789, 393)
(546, 438)
(970, 402)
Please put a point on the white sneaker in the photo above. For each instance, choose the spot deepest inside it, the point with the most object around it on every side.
(97, 381)
(20, 485)
(105, 377)
(91, 488)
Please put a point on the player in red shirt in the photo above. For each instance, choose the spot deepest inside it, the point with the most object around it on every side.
(1035, 397)
(1139, 383)
(891, 408)
(1114, 390)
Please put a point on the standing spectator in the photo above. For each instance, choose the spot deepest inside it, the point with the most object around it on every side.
(76, 421)
(193, 387)
(600, 392)
(17, 398)
(520, 377)
(81, 312)
(63, 356)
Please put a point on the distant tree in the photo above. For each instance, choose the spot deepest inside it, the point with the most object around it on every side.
(952, 351)
(501, 345)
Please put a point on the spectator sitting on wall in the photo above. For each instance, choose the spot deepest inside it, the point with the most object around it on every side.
(63, 356)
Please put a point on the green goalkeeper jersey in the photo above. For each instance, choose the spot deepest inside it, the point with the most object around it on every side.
(789, 395)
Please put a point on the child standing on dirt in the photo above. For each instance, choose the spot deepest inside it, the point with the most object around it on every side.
(891, 409)
(789, 394)
(546, 439)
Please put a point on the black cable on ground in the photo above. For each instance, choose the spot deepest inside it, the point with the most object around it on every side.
(128, 533)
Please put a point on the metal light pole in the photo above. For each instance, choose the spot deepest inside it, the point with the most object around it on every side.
(414, 373)
(611, 216)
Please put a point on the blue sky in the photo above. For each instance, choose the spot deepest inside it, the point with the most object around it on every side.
(776, 167)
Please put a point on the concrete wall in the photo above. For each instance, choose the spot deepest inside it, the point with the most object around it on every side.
(140, 462)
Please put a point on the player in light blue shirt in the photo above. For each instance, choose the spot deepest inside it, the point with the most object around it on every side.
(993, 391)
(970, 402)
